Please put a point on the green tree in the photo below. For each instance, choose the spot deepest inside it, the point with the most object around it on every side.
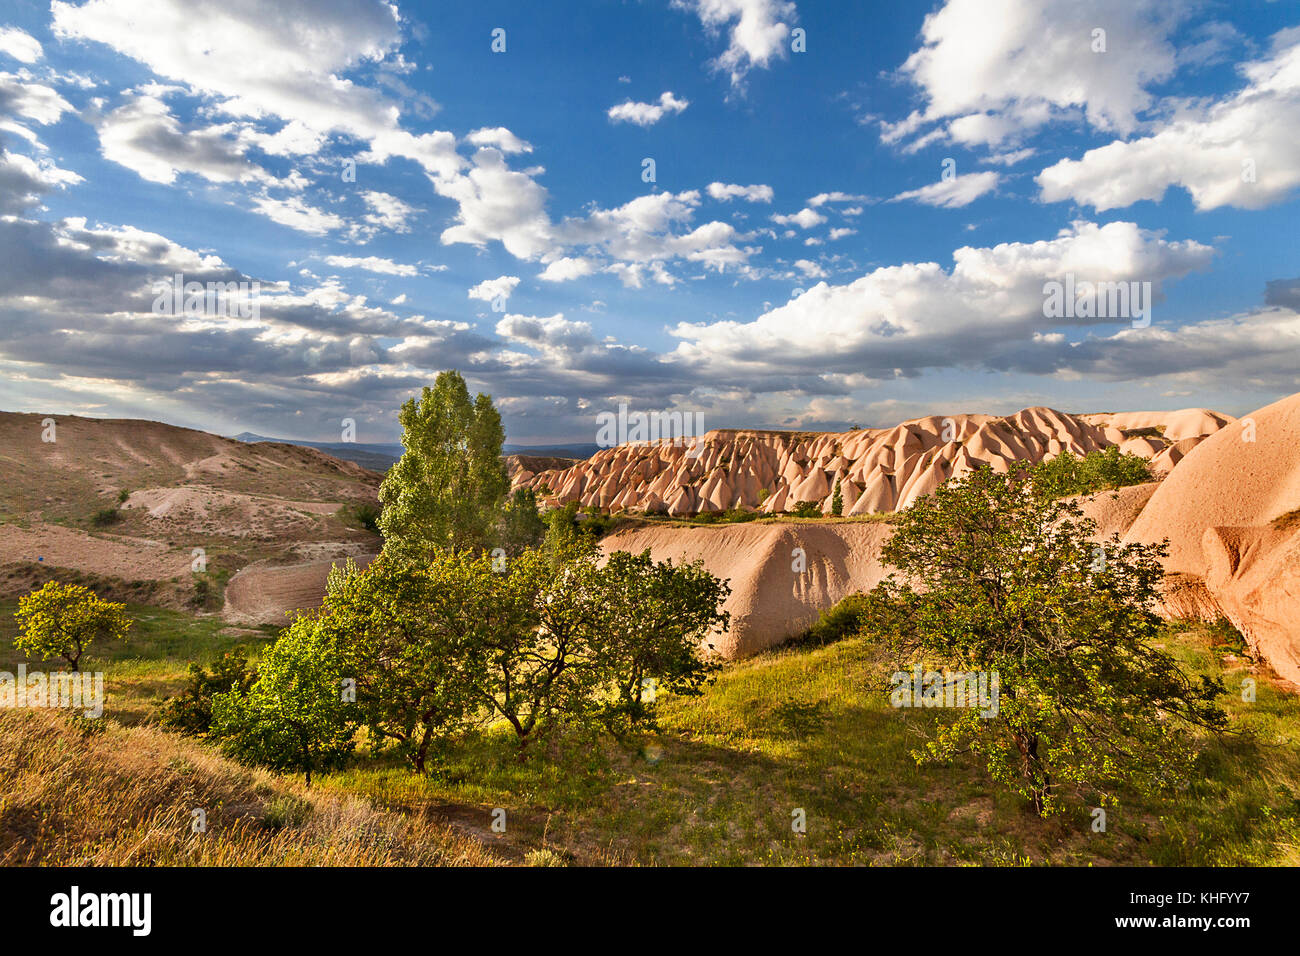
(411, 633)
(837, 500)
(445, 490)
(190, 711)
(997, 579)
(522, 525)
(63, 620)
(294, 716)
(1068, 474)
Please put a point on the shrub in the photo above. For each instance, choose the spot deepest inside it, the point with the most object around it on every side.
(842, 620)
(1068, 474)
(365, 515)
(105, 517)
(190, 711)
(807, 509)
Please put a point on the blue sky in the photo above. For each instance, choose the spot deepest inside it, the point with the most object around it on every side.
(854, 232)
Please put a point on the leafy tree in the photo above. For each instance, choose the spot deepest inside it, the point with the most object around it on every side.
(522, 525)
(190, 711)
(806, 509)
(837, 500)
(998, 579)
(410, 635)
(63, 620)
(293, 717)
(445, 490)
(655, 617)
(1068, 474)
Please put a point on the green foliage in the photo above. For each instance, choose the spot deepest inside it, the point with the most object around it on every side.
(844, 619)
(567, 526)
(105, 517)
(1068, 474)
(190, 711)
(122, 496)
(293, 717)
(521, 523)
(807, 509)
(444, 492)
(366, 515)
(441, 646)
(62, 620)
(837, 500)
(998, 579)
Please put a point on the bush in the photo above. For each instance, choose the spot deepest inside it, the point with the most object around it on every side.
(807, 509)
(366, 515)
(105, 517)
(190, 711)
(844, 619)
(1068, 474)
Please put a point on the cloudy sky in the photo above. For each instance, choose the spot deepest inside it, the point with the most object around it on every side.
(765, 212)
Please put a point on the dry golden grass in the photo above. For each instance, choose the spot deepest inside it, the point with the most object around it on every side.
(79, 792)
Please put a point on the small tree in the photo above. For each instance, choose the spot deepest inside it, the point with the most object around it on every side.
(190, 711)
(837, 500)
(998, 579)
(1068, 474)
(63, 620)
(294, 717)
(445, 490)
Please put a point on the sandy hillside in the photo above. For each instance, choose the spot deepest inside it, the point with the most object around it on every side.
(877, 469)
(782, 575)
(131, 500)
(1231, 512)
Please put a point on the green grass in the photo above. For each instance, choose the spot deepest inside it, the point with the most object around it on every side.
(804, 728)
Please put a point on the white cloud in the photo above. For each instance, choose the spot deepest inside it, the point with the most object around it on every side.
(1238, 151)
(501, 138)
(564, 269)
(144, 136)
(489, 290)
(952, 193)
(20, 45)
(647, 114)
(822, 199)
(24, 180)
(297, 214)
(725, 192)
(903, 319)
(805, 219)
(810, 269)
(759, 31)
(994, 70)
(387, 212)
(373, 264)
(20, 95)
(842, 233)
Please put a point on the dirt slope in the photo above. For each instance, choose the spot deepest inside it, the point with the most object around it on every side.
(1229, 511)
(132, 501)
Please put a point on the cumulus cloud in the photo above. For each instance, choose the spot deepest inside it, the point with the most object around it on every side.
(567, 268)
(805, 218)
(725, 192)
(991, 71)
(900, 320)
(647, 114)
(22, 95)
(501, 138)
(489, 290)
(297, 214)
(952, 193)
(758, 31)
(24, 180)
(145, 137)
(1238, 151)
(20, 45)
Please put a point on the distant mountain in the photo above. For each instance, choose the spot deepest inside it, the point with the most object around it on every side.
(377, 457)
(381, 456)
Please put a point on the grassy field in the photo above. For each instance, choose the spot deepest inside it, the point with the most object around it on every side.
(799, 729)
